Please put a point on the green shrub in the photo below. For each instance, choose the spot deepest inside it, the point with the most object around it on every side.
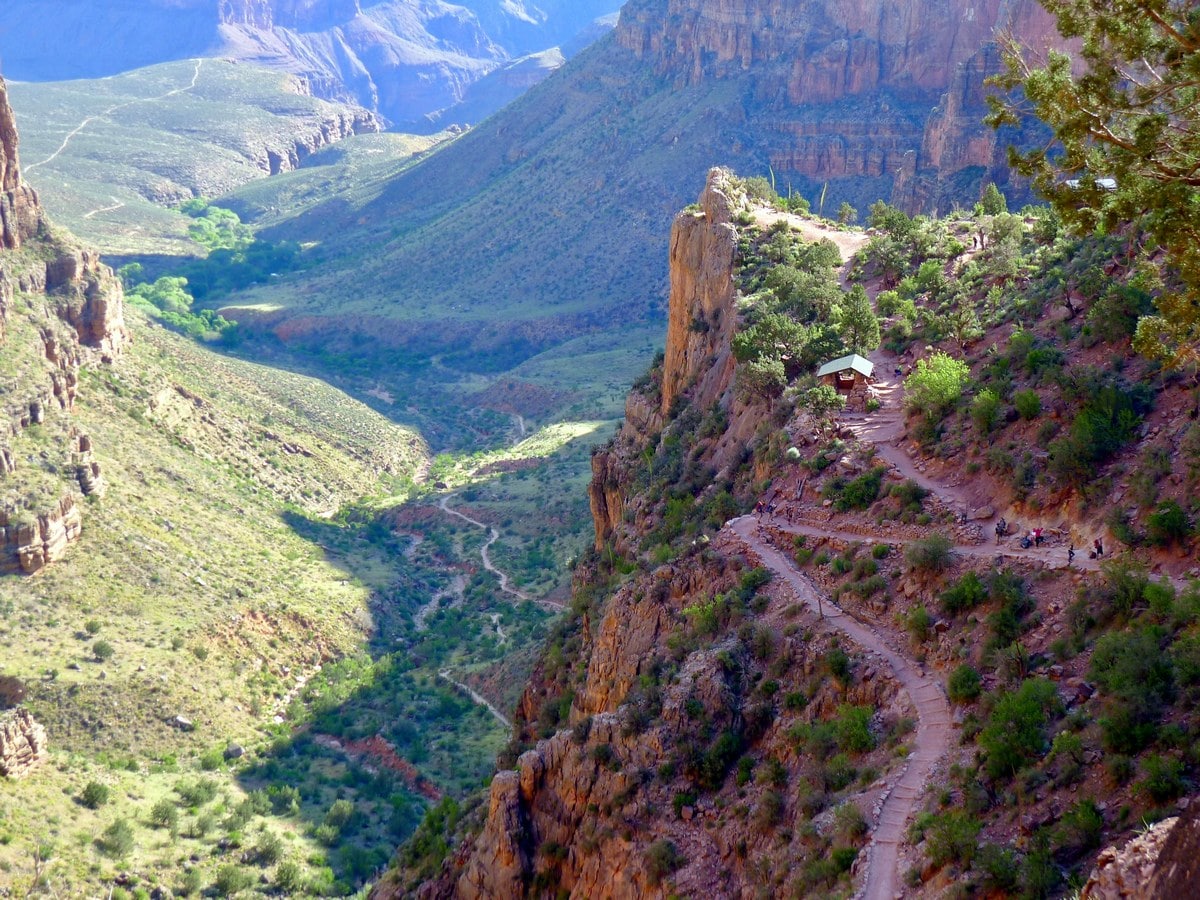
(966, 593)
(289, 877)
(1137, 676)
(858, 493)
(1168, 524)
(839, 664)
(196, 793)
(1081, 826)
(879, 551)
(116, 841)
(918, 622)
(964, 684)
(852, 729)
(952, 837)
(932, 554)
(936, 384)
(103, 650)
(92, 626)
(94, 795)
(662, 858)
(232, 879)
(1163, 778)
(985, 411)
(1015, 733)
(1028, 404)
(165, 814)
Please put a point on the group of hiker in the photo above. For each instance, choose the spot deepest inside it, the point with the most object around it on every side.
(1036, 536)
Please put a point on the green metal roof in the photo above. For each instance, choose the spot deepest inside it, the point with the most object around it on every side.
(863, 366)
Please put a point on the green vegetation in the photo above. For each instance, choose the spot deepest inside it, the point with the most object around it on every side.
(1127, 116)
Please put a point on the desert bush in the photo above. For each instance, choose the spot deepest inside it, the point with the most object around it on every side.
(103, 650)
(1015, 733)
(936, 385)
(165, 814)
(116, 841)
(1163, 779)
(966, 593)
(662, 858)
(94, 795)
(952, 837)
(932, 554)
(1027, 403)
(985, 411)
(964, 684)
(1137, 676)
(852, 729)
(232, 879)
(918, 622)
(1168, 524)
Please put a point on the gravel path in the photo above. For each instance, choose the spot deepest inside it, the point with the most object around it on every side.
(932, 738)
(477, 697)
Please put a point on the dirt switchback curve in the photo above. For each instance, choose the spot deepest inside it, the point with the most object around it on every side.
(932, 738)
(493, 536)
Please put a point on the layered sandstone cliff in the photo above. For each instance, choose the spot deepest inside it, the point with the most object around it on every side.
(71, 311)
(845, 87)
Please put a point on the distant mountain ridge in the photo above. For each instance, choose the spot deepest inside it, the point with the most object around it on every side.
(404, 59)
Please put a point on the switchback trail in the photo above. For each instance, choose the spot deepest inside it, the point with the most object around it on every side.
(932, 738)
(493, 536)
(108, 112)
(477, 697)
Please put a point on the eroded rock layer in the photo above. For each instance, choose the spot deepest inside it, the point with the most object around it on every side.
(72, 311)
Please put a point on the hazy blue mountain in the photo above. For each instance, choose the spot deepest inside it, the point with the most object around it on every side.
(405, 59)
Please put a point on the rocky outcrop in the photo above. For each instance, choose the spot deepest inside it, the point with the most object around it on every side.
(20, 216)
(22, 743)
(700, 314)
(31, 541)
(1128, 873)
(78, 314)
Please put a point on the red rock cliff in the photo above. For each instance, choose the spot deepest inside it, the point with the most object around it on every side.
(849, 84)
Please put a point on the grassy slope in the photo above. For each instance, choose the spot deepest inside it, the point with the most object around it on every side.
(150, 138)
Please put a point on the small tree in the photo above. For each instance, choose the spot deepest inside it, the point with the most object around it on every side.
(116, 841)
(932, 554)
(94, 795)
(847, 214)
(992, 203)
(936, 384)
(857, 324)
(103, 650)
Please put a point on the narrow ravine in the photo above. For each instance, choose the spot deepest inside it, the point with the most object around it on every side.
(932, 738)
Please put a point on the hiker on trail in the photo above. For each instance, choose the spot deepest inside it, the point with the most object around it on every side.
(1037, 537)
(1099, 547)
(1070, 554)
(1000, 529)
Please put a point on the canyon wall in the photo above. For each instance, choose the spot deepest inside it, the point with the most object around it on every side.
(845, 87)
(60, 308)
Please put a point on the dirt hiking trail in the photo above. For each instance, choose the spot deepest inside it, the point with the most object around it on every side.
(932, 738)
